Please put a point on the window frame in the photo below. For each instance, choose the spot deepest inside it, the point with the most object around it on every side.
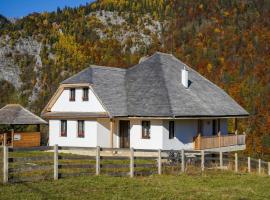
(79, 133)
(148, 129)
(171, 130)
(61, 130)
(85, 94)
(72, 94)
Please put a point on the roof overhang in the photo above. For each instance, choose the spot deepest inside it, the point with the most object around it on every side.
(75, 115)
(185, 117)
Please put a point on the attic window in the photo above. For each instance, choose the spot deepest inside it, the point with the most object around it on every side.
(85, 94)
(72, 94)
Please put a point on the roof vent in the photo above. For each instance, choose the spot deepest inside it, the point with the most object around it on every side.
(185, 77)
(143, 59)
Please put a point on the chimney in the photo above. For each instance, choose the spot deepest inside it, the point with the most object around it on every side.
(185, 77)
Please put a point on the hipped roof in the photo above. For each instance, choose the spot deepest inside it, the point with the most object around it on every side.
(153, 88)
(13, 114)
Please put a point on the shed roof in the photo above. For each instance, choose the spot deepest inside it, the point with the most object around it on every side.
(153, 88)
(13, 114)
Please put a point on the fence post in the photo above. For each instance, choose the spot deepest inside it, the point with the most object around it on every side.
(182, 160)
(55, 163)
(5, 164)
(220, 159)
(131, 162)
(5, 139)
(260, 165)
(268, 168)
(249, 165)
(202, 160)
(98, 160)
(199, 141)
(236, 162)
(159, 162)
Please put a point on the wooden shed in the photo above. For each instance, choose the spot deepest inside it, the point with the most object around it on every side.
(15, 114)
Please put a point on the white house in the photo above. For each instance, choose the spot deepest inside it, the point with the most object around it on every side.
(160, 103)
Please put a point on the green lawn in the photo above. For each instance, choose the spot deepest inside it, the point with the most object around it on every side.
(212, 185)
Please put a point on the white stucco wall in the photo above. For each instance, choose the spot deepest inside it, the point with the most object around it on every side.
(136, 140)
(63, 103)
(97, 133)
(224, 126)
(185, 130)
(90, 139)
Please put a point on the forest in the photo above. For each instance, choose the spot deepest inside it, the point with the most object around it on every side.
(228, 42)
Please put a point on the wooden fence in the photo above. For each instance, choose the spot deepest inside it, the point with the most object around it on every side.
(47, 163)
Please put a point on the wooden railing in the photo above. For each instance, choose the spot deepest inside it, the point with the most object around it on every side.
(216, 141)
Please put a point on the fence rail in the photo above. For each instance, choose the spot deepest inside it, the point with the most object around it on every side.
(41, 163)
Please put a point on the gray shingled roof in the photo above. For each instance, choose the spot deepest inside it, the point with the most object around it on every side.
(153, 88)
(13, 114)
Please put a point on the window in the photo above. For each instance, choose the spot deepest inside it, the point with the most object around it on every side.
(80, 128)
(200, 126)
(85, 94)
(171, 129)
(63, 131)
(146, 129)
(72, 94)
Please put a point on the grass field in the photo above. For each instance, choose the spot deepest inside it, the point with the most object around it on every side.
(212, 185)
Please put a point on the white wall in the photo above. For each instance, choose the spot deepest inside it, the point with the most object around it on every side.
(136, 140)
(90, 139)
(103, 132)
(185, 130)
(63, 103)
(224, 126)
(207, 127)
(97, 133)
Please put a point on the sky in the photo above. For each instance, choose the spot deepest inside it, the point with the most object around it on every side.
(21, 8)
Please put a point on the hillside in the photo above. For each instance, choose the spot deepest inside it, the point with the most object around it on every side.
(226, 41)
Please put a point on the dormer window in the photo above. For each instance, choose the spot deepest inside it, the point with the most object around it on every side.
(72, 94)
(85, 96)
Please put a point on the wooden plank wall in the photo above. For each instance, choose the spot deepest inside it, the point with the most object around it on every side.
(28, 139)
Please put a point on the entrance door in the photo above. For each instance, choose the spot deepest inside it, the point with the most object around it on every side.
(124, 133)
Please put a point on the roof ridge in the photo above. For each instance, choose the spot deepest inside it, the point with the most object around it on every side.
(167, 90)
(108, 67)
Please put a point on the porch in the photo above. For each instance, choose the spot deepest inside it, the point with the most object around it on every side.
(220, 142)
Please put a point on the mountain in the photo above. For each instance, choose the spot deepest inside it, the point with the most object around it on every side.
(226, 41)
(3, 22)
